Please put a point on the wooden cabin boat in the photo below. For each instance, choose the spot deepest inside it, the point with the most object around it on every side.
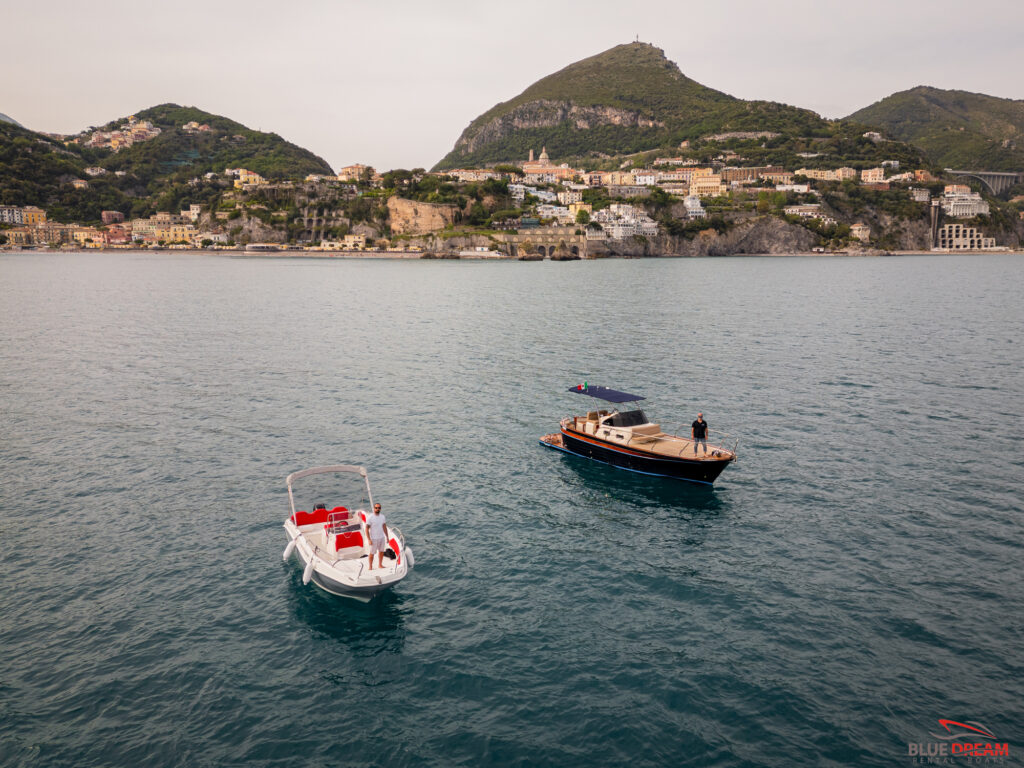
(629, 440)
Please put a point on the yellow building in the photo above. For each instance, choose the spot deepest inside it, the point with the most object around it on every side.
(173, 233)
(708, 186)
(248, 177)
(32, 216)
(86, 236)
(353, 172)
(20, 236)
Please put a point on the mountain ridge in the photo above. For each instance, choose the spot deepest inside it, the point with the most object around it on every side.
(150, 175)
(626, 99)
(954, 128)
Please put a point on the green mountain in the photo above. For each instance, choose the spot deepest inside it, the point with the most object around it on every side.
(5, 119)
(152, 175)
(956, 129)
(177, 153)
(628, 99)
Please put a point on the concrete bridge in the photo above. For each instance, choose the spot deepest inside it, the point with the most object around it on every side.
(997, 181)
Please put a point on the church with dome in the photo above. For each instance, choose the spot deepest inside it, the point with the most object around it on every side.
(543, 169)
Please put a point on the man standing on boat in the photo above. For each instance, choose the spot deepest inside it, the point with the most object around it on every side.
(699, 432)
(378, 536)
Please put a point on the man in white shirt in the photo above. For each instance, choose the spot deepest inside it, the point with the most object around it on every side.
(378, 536)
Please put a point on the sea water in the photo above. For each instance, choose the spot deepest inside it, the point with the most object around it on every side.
(853, 578)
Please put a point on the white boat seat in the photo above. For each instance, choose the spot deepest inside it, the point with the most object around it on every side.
(647, 429)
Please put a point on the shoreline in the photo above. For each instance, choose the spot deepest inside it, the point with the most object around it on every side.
(422, 255)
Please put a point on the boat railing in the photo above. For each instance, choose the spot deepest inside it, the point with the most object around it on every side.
(338, 521)
(716, 440)
(397, 534)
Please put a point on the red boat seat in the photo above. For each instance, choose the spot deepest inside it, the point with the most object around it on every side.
(316, 516)
(348, 539)
(308, 518)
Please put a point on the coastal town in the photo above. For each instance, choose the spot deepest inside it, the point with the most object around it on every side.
(553, 209)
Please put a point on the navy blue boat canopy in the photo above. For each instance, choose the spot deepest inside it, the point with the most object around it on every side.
(603, 393)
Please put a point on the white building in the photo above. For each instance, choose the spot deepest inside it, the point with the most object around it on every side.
(10, 214)
(957, 237)
(810, 211)
(570, 196)
(621, 220)
(958, 204)
(694, 209)
(559, 212)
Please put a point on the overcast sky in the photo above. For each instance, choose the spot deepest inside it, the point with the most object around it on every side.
(393, 84)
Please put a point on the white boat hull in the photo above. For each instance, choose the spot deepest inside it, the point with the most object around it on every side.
(350, 577)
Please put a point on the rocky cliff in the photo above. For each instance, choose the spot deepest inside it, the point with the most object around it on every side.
(761, 235)
(627, 99)
(409, 217)
(545, 113)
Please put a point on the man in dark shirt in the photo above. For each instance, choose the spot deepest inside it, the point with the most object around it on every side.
(699, 432)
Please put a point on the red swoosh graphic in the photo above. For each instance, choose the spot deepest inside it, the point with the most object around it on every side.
(982, 730)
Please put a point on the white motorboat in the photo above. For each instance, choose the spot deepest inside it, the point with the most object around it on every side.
(333, 544)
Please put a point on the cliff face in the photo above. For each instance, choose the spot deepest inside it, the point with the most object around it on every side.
(764, 234)
(627, 99)
(409, 217)
(545, 113)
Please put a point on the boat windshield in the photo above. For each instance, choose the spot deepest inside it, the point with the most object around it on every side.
(627, 419)
(330, 491)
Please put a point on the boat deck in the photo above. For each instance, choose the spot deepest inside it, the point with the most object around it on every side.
(658, 443)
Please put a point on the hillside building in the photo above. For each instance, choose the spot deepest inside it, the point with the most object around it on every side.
(820, 174)
(10, 214)
(860, 231)
(544, 171)
(694, 209)
(959, 202)
(709, 185)
(957, 237)
(32, 216)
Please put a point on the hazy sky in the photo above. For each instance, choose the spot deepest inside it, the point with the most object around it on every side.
(393, 84)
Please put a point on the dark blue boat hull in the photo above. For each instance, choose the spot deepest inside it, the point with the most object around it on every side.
(695, 471)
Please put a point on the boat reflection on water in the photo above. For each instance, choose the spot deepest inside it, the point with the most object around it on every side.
(366, 628)
(587, 479)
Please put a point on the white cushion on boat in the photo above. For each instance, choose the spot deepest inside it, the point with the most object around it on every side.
(647, 429)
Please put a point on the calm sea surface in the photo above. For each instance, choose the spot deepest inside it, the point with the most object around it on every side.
(856, 576)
